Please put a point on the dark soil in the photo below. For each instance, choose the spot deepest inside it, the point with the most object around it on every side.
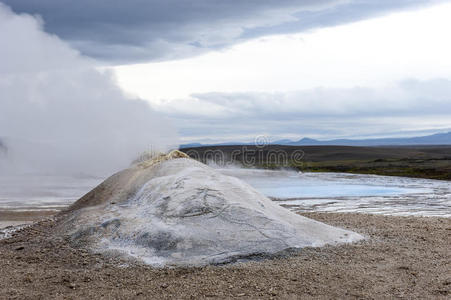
(433, 162)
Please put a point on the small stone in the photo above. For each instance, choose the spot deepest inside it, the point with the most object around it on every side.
(164, 285)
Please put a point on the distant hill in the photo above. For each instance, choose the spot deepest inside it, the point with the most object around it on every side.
(435, 139)
(195, 145)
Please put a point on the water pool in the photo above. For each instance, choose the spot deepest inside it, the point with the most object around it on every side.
(338, 192)
(43, 192)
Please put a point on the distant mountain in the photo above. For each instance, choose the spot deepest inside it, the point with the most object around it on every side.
(435, 139)
(194, 145)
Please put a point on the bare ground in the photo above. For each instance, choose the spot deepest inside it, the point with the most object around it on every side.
(12, 217)
(403, 257)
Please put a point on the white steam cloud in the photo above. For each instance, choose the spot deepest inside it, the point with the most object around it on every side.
(58, 113)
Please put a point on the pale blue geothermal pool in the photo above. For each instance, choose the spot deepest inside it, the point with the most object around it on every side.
(300, 189)
(338, 192)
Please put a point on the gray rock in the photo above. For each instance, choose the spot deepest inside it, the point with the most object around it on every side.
(181, 212)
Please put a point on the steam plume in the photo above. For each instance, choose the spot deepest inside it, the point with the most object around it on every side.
(60, 113)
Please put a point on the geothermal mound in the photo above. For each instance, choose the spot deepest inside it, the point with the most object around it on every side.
(174, 211)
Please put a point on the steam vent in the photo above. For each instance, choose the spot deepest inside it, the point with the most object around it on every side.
(175, 211)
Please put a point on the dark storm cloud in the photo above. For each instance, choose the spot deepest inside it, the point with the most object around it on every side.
(139, 30)
(348, 11)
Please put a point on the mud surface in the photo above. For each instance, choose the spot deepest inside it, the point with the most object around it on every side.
(405, 257)
(181, 213)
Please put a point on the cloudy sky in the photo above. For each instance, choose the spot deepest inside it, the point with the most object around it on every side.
(233, 70)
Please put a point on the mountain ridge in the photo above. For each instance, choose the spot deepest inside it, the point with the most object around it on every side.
(434, 139)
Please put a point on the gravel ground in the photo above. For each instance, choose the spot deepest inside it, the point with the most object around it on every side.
(403, 257)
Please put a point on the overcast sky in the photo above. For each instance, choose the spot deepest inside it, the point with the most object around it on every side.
(233, 70)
